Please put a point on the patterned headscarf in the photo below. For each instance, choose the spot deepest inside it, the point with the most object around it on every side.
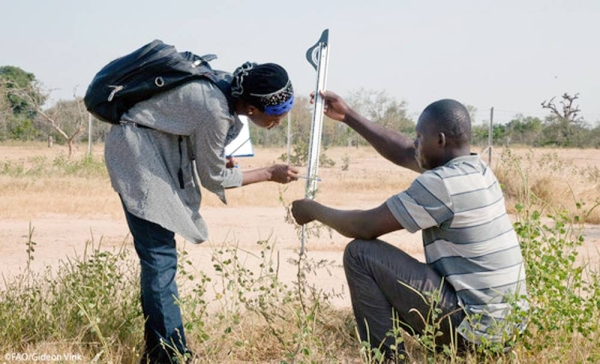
(265, 86)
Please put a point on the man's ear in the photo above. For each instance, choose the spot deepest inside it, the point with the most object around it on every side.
(441, 139)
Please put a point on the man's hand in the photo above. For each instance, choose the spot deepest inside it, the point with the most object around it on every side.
(335, 106)
(301, 210)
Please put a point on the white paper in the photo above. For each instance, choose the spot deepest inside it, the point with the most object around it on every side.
(241, 146)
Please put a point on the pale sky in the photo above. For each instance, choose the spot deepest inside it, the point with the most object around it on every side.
(510, 54)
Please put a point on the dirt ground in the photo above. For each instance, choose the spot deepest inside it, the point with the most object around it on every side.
(59, 236)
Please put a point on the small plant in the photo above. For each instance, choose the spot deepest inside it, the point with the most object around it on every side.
(91, 301)
(312, 229)
(345, 162)
(61, 166)
(564, 291)
(30, 249)
(248, 291)
(12, 169)
(299, 157)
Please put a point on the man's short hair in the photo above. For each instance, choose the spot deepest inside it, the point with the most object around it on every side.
(452, 118)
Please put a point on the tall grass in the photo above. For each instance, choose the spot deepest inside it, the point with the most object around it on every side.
(87, 306)
(564, 287)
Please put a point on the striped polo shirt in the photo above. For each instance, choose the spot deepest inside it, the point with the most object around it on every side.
(469, 239)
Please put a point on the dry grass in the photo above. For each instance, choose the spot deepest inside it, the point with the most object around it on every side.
(557, 178)
(369, 180)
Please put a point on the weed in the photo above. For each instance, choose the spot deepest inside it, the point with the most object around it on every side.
(564, 290)
(60, 166)
(299, 157)
(90, 300)
(345, 162)
(564, 293)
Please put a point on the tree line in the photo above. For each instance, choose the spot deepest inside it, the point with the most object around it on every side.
(24, 117)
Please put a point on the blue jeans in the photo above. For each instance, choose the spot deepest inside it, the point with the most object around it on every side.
(374, 270)
(155, 246)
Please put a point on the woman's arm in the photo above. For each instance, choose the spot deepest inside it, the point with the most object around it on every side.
(280, 173)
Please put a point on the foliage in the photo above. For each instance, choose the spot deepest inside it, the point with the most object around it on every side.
(561, 133)
(22, 100)
(293, 317)
(22, 129)
(26, 95)
(16, 113)
(565, 294)
(91, 300)
(564, 288)
(14, 78)
(523, 129)
(60, 166)
(563, 127)
(381, 108)
(299, 156)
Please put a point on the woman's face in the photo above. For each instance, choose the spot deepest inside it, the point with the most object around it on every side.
(262, 120)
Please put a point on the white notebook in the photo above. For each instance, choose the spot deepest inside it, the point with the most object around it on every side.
(241, 146)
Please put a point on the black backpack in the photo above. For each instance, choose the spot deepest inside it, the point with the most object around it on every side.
(152, 69)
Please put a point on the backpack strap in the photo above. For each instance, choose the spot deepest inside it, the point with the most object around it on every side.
(221, 79)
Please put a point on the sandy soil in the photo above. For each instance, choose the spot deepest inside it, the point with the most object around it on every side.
(60, 237)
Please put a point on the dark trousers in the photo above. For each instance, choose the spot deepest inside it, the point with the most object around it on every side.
(383, 282)
(155, 246)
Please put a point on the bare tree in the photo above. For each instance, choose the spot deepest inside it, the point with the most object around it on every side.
(52, 117)
(564, 125)
(569, 111)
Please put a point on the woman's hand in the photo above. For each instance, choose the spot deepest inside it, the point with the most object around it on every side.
(280, 173)
(231, 163)
(283, 173)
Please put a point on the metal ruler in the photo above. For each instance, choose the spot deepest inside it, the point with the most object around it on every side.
(318, 57)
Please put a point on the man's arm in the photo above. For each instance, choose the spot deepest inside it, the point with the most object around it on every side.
(393, 146)
(357, 224)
